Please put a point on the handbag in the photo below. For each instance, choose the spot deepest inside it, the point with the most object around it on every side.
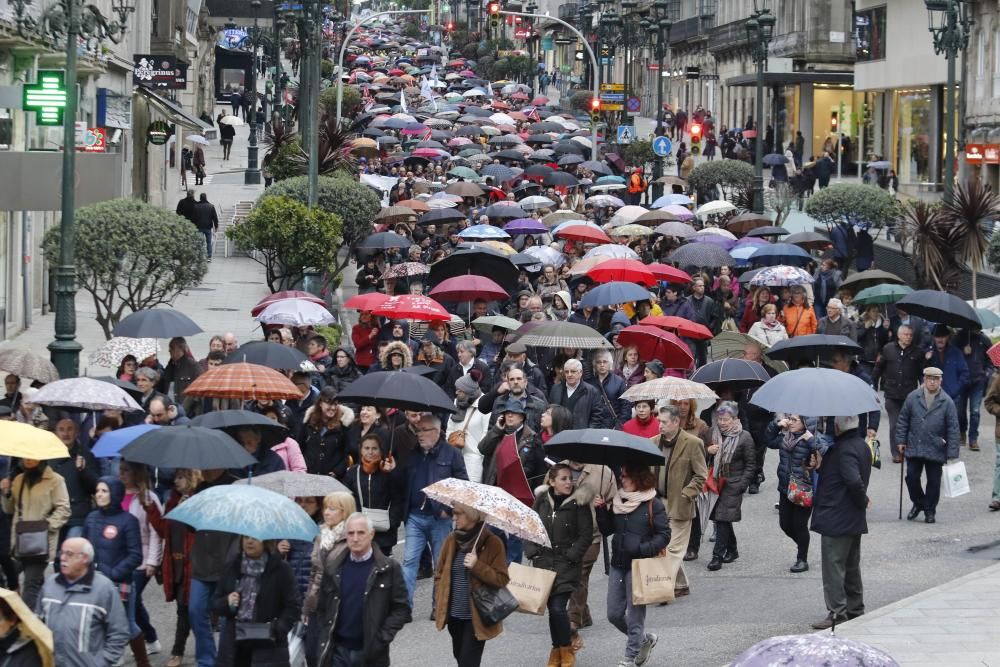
(494, 604)
(257, 635)
(31, 538)
(876, 450)
(713, 483)
(457, 438)
(800, 492)
(379, 518)
(531, 586)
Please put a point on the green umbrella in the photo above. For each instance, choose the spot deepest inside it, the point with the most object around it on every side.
(466, 173)
(487, 322)
(989, 319)
(881, 294)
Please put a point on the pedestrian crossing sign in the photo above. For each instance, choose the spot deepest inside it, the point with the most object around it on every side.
(626, 134)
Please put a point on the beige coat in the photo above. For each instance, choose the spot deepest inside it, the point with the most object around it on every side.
(47, 500)
(684, 477)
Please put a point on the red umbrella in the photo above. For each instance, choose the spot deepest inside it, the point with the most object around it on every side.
(679, 326)
(457, 62)
(519, 96)
(539, 101)
(412, 307)
(655, 343)
(628, 270)
(500, 105)
(468, 288)
(281, 296)
(366, 301)
(584, 234)
(668, 273)
(396, 72)
(749, 134)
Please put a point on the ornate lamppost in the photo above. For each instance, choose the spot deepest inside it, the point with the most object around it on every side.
(252, 174)
(760, 30)
(658, 29)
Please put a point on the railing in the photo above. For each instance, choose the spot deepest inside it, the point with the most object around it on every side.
(729, 36)
(568, 11)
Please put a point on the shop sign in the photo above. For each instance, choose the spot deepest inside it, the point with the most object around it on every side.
(154, 70)
(548, 43)
(158, 132)
(94, 140)
(974, 154)
(991, 153)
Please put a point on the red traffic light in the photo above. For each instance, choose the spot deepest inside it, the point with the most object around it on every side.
(449, 26)
(695, 130)
(595, 104)
(493, 8)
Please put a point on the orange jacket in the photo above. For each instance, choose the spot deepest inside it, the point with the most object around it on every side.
(798, 320)
(636, 183)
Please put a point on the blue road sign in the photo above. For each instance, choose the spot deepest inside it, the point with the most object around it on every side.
(626, 134)
(662, 146)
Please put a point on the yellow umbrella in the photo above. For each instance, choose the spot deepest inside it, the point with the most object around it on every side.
(27, 442)
(30, 625)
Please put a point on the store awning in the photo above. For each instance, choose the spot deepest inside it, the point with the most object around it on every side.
(177, 115)
(791, 78)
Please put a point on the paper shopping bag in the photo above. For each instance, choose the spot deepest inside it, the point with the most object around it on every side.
(652, 581)
(954, 480)
(531, 586)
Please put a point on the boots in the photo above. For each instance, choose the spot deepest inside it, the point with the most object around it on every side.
(555, 657)
(567, 657)
(138, 646)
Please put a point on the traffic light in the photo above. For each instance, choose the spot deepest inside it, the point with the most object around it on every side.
(449, 26)
(595, 111)
(695, 134)
(494, 9)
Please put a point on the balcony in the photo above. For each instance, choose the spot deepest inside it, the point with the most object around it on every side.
(567, 12)
(688, 29)
(727, 37)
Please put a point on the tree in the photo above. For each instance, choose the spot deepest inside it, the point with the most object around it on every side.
(291, 239)
(580, 101)
(725, 174)
(846, 206)
(638, 153)
(972, 207)
(354, 203)
(350, 103)
(131, 255)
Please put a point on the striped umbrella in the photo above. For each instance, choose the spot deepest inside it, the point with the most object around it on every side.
(561, 334)
(670, 389)
(245, 382)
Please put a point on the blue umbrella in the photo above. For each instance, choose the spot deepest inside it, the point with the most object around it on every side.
(111, 443)
(613, 293)
(780, 253)
(484, 232)
(610, 180)
(742, 254)
(246, 510)
(817, 392)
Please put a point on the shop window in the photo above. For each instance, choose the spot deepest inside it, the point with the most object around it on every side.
(869, 34)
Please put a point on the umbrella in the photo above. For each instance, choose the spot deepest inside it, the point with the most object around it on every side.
(272, 355)
(561, 334)
(439, 215)
(464, 189)
(296, 484)
(244, 381)
(366, 301)
(235, 121)
(505, 210)
(628, 270)
(716, 240)
(525, 226)
(488, 322)
(30, 627)
(655, 343)
(246, 510)
(392, 389)
(810, 347)
(296, 313)
(880, 294)
(736, 373)
(714, 208)
(385, 240)
(780, 253)
(85, 394)
(679, 212)
(222, 419)
(406, 270)
(613, 293)
(701, 254)
(603, 446)
(940, 307)
(631, 230)
(676, 229)
(128, 387)
(808, 240)
(715, 231)
(498, 172)
(774, 159)
(483, 232)
(669, 389)
(859, 281)
(25, 364)
(412, 307)
(989, 318)
(746, 222)
(669, 273)
(28, 442)
(501, 509)
(157, 323)
(561, 178)
(546, 255)
(583, 233)
(478, 262)
(468, 288)
(678, 325)
(812, 650)
(818, 392)
(111, 443)
(187, 447)
(535, 202)
(612, 251)
(781, 276)
(769, 230)
(281, 296)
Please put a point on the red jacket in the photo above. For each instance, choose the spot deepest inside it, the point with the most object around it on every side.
(162, 528)
(648, 430)
(364, 344)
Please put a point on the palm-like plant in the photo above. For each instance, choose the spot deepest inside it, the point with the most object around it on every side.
(972, 207)
(924, 235)
(334, 150)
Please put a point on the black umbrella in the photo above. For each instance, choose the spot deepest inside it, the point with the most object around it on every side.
(737, 373)
(538, 171)
(706, 255)
(811, 347)
(940, 308)
(384, 240)
(130, 388)
(546, 126)
(441, 215)
(157, 323)
(505, 211)
(539, 139)
(393, 389)
(561, 178)
(422, 371)
(770, 230)
(476, 261)
(264, 353)
(774, 159)
(510, 154)
(603, 446)
(187, 446)
(570, 160)
(564, 147)
(235, 419)
(596, 167)
(864, 279)
(498, 173)
(808, 240)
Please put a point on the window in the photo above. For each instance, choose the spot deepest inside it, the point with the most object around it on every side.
(981, 65)
(996, 63)
(869, 34)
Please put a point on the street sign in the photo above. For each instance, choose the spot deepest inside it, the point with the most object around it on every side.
(611, 106)
(652, 67)
(662, 146)
(633, 104)
(613, 87)
(626, 133)
(47, 98)
(692, 73)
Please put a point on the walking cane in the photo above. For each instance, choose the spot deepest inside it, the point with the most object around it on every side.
(901, 466)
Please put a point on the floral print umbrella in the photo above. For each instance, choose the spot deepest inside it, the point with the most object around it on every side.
(502, 510)
(110, 354)
(781, 276)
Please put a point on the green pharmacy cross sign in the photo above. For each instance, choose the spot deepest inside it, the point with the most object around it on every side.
(47, 98)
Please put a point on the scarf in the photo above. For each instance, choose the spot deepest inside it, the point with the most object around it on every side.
(729, 439)
(464, 539)
(626, 502)
(560, 313)
(371, 468)
(251, 570)
(328, 537)
(789, 440)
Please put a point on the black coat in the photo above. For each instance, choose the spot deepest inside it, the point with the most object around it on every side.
(325, 451)
(80, 484)
(205, 216)
(612, 389)
(485, 377)
(898, 370)
(387, 608)
(587, 405)
(570, 528)
(181, 373)
(381, 491)
(185, 207)
(278, 603)
(841, 499)
(635, 535)
(738, 477)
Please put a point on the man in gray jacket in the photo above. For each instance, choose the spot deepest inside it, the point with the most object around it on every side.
(83, 609)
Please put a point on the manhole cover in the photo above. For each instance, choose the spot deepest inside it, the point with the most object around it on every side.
(246, 282)
(225, 310)
(201, 289)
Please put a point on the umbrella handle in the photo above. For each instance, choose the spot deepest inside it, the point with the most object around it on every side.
(478, 536)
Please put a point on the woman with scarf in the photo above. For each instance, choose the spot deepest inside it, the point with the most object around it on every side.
(126, 369)
(555, 419)
(141, 502)
(467, 425)
(364, 336)
(471, 558)
(768, 330)
(631, 369)
(369, 422)
(794, 438)
(732, 452)
(565, 512)
(753, 307)
(873, 335)
(637, 522)
(343, 371)
(549, 283)
(377, 485)
(560, 308)
(257, 588)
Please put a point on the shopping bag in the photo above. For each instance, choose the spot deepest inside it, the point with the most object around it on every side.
(954, 480)
(531, 586)
(297, 646)
(652, 581)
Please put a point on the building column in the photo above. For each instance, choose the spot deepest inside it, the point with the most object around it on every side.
(805, 119)
(935, 168)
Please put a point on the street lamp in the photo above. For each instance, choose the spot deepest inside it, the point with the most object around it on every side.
(278, 100)
(760, 30)
(252, 174)
(64, 22)
(950, 23)
(532, 8)
(658, 30)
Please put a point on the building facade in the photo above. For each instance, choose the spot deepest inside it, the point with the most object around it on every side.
(981, 68)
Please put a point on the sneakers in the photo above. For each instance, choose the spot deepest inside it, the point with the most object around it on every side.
(627, 663)
(647, 647)
(153, 647)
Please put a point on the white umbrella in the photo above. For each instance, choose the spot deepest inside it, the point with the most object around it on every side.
(235, 121)
(627, 214)
(474, 92)
(196, 139)
(716, 231)
(714, 207)
(85, 394)
(502, 119)
(536, 202)
(110, 354)
(296, 313)
(613, 250)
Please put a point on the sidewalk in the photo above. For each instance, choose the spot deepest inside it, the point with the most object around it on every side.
(954, 624)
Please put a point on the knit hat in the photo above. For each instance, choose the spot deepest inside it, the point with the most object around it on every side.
(467, 385)
(655, 367)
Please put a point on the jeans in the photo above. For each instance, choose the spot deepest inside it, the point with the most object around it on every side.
(725, 539)
(134, 630)
(139, 581)
(969, 403)
(628, 618)
(199, 606)
(421, 530)
(559, 619)
(925, 500)
(346, 657)
(209, 237)
(468, 650)
(794, 522)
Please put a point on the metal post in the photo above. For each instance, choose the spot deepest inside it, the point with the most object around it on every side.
(314, 78)
(252, 174)
(658, 165)
(65, 349)
(758, 158)
(949, 105)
